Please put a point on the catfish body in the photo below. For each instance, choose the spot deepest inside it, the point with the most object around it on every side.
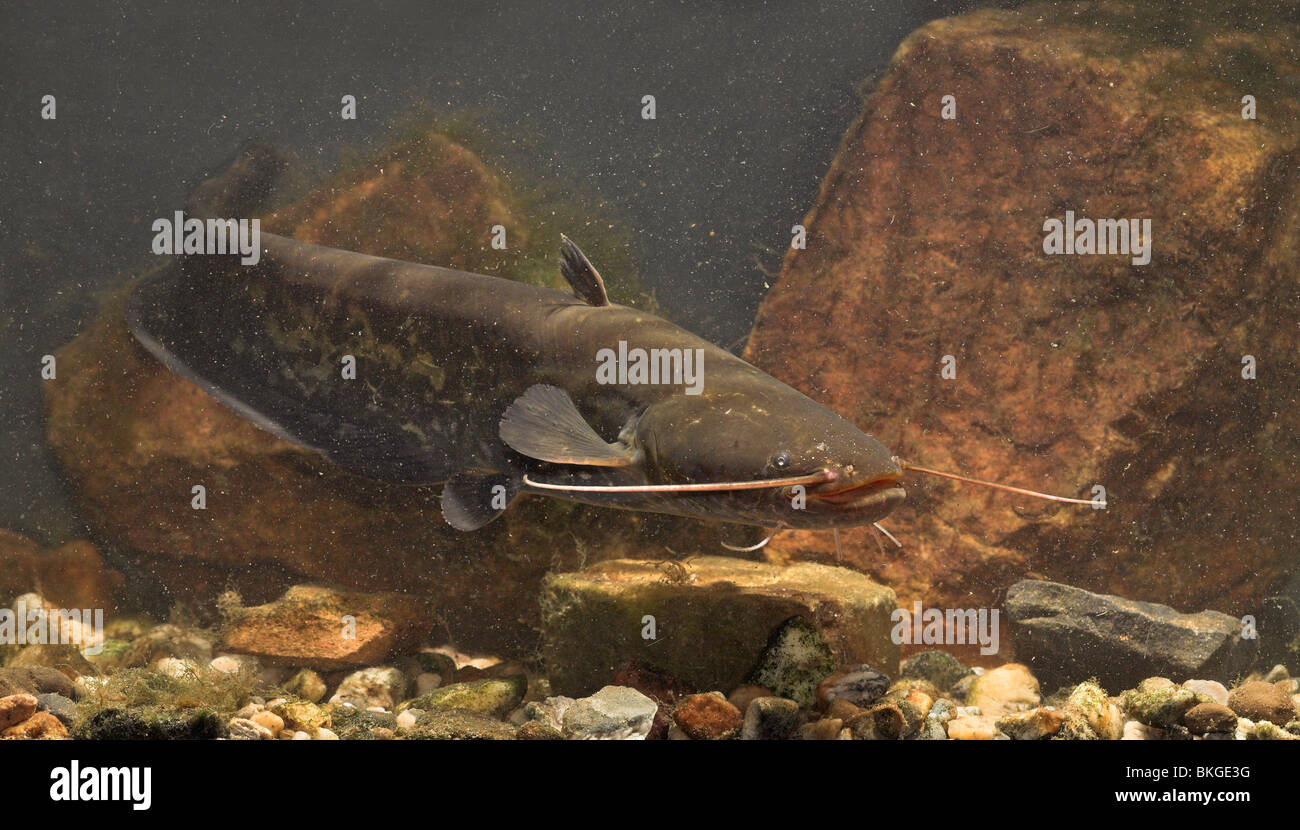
(426, 375)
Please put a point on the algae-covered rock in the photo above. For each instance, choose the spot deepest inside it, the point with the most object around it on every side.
(1088, 707)
(706, 631)
(307, 685)
(458, 725)
(771, 719)
(1036, 724)
(487, 697)
(324, 628)
(302, 715)
(1159, 707)
(377, 686)
(169, 641)
(354, 724)
(151, 723)
(939, 667)
(797, 660)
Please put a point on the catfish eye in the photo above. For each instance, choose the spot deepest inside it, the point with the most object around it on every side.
(781, 460)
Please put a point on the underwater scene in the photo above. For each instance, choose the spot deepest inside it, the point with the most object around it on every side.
(894, 371)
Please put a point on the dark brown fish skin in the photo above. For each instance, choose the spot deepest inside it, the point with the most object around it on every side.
(440, 354)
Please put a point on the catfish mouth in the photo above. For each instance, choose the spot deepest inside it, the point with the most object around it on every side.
(884, 488)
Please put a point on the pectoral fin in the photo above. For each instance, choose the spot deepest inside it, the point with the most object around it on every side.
(544, 423)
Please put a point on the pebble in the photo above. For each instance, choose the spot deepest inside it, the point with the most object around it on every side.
(549, 711)
(426, 682)
(936, 721)
(408, 718)
(1033, 725)
(176, 668)
(243, 729)
(1204, 718)
(14, 709)
(707, 717)
(236, 664)
(826, 729)
(1208, 691)
(301, 736)
(300, 715)
(1277, 673)
(39, 725)
(58, 706)
(860, 685)
(771, 719)
(888, 721)
(1262, 701)
(1138, 731)
(270, 721)
(843, 710)
(742, 696)
(1267, 731)
(307, 685)
(325, 734)
(1006, 689)
(374, 687)
(615, 713)
(939, 667)
(974, 728)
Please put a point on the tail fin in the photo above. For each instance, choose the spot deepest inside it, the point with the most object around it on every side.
(242, 188)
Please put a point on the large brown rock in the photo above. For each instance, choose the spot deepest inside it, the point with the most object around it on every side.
(927, 240)
(134, 439)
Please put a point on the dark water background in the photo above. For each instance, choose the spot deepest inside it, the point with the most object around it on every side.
(752, 100)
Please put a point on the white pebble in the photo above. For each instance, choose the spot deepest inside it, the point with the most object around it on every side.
(324, 734)
(426, 682)
(407, 719)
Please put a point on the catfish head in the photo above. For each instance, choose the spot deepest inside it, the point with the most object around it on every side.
(849, 478)
(769, 457)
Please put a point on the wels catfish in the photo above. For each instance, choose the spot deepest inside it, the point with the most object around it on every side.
(490, 387)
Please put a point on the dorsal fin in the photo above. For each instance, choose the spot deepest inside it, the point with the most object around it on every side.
(580, 273)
